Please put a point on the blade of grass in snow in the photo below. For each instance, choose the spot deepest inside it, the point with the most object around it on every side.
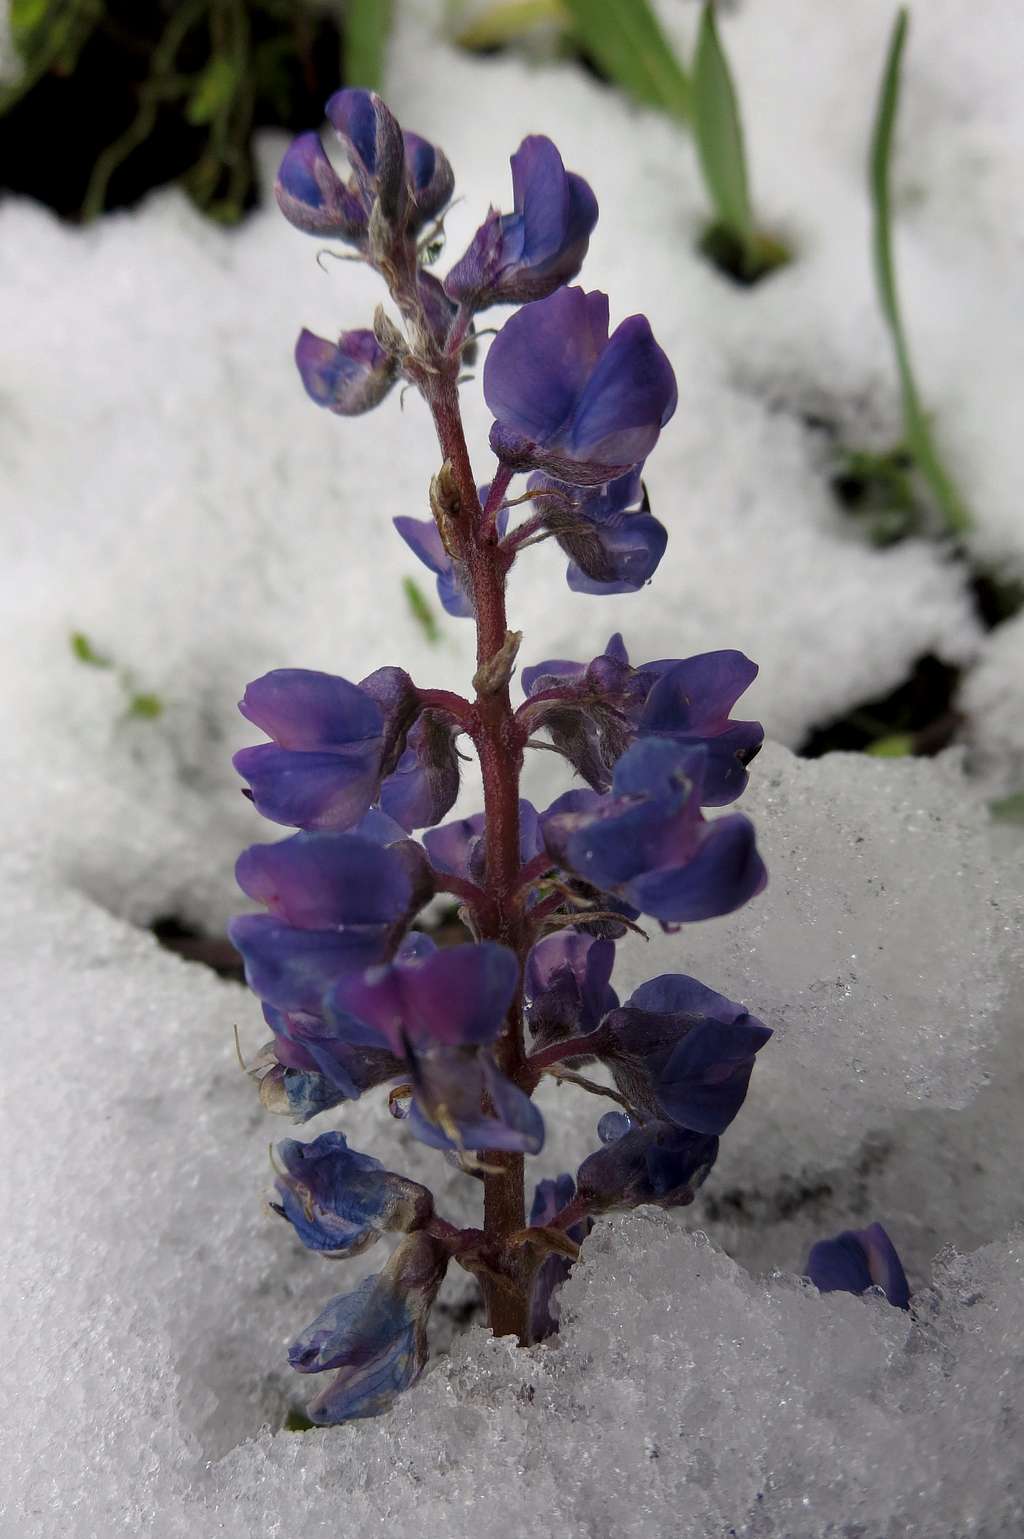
(625, 40)
(367, 25)
(421, 610)
(719, 133)
(916, 427)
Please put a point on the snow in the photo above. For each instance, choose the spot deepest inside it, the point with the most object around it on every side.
(171, 494)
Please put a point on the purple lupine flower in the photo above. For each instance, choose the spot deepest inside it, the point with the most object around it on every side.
(599, 708)
(614, 545)
(457, 997)
(677, 1049)
(424, 784)
(339, 1201)
(529, 253)
(411, 178)
(312, 196)
(373, 141)
(424, 540)
(587, 709)
(567, 986)
(332, 1069)
(437, 1011)
(648, 843)
(376, 1336)
(571, 401)
(349, 376)
(429, 177)
(458, 849)
(337, 902)
(549, 1198)
(655, 1162)
(856, 1260)
(333, 742)
(449, 1088)
(298, 1094)
(690, 702)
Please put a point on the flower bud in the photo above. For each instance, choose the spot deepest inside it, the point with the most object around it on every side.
(312, 197)
(349, 376)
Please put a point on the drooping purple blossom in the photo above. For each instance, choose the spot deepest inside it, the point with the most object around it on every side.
(648, 843)
(529, 253)
(549, 1198)
(568, 399)
(375, 1336)
(677, 1049)
(567, 985)
(594, 710)
(613, 540)
(655, 1162)
(339, 1202)
(349, 376)
(856, 1260)
(424, 784)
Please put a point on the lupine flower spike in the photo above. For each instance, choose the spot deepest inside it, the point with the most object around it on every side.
(356, 999)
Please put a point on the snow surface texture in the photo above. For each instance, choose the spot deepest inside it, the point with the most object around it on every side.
(170, 493)
(147, 1297)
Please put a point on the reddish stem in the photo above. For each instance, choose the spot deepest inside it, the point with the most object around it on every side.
(456, 706)
(571, 1047)
(499, 745)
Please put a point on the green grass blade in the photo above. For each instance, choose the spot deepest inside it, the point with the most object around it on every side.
(915, 419)
(719, 132)
(421, 610)
(625, 39)
(367, 26)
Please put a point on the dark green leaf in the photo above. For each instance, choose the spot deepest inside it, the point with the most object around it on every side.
(145, 707)
(916, 424)
(367, 24)
(625, 39)
(719, 133)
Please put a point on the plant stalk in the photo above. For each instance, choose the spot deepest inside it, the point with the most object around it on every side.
(499, 742)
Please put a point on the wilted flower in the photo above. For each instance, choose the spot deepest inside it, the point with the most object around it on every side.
(613, 544)
(679, 1050)
(654, 1162)
(340, 1202)
(376, 1336)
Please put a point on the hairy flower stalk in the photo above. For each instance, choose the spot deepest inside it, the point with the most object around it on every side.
(459, 1038)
